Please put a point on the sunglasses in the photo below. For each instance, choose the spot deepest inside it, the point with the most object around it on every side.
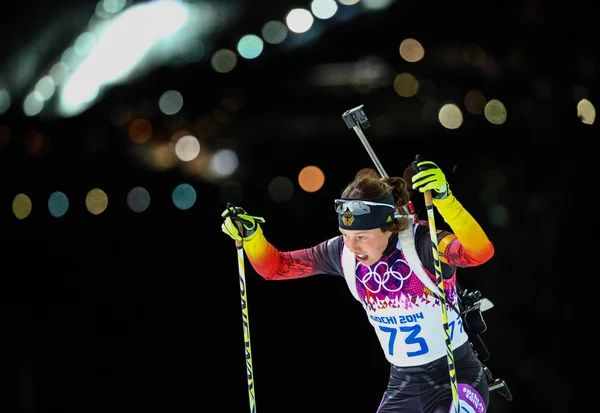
(357, 207)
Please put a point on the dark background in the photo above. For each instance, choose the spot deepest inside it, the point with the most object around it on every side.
(130, 312)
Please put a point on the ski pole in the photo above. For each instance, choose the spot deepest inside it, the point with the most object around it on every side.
(245, 320)
(441, 294)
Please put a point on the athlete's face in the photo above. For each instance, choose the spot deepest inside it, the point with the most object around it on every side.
(368, 245)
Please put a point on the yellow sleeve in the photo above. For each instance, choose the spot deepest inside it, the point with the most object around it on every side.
(263, 256)
(474, 247)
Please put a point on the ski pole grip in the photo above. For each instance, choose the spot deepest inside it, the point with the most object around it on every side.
(428, 198)
(241, 231)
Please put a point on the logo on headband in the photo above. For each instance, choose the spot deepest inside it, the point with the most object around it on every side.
(347, 218)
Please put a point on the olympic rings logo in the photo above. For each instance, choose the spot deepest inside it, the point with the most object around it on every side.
(386, 278)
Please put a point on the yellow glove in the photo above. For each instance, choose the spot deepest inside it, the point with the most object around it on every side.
(429, 177)
(234, 215)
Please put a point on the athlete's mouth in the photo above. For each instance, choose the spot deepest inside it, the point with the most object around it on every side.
(362, 257)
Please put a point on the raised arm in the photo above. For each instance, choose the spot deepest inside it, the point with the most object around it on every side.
(272, 264)
(469, 245)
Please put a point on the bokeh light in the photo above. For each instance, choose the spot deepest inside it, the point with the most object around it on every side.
(250, 46)
(323, 9)
(299, 20)
(224, 60)
(406, 85)
(450, 116)
(184, 196)
(58, 204)
(475, 102)
(495, 112)
(280, 189)
(311, 178)
(96, 201)
(170, 102)
(274, 32)
(224, 162)
(138, 199)
(140, 130)
(187, 148)
(21, 206)
(586, 112)
(411, 50)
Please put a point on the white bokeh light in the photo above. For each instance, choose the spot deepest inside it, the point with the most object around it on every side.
(224, 162)
(187, 148)
(324, 9)
(299, 20)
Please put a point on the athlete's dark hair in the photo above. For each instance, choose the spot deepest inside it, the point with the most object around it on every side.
(368, 184)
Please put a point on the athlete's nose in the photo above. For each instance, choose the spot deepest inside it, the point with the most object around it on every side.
(352, 248)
